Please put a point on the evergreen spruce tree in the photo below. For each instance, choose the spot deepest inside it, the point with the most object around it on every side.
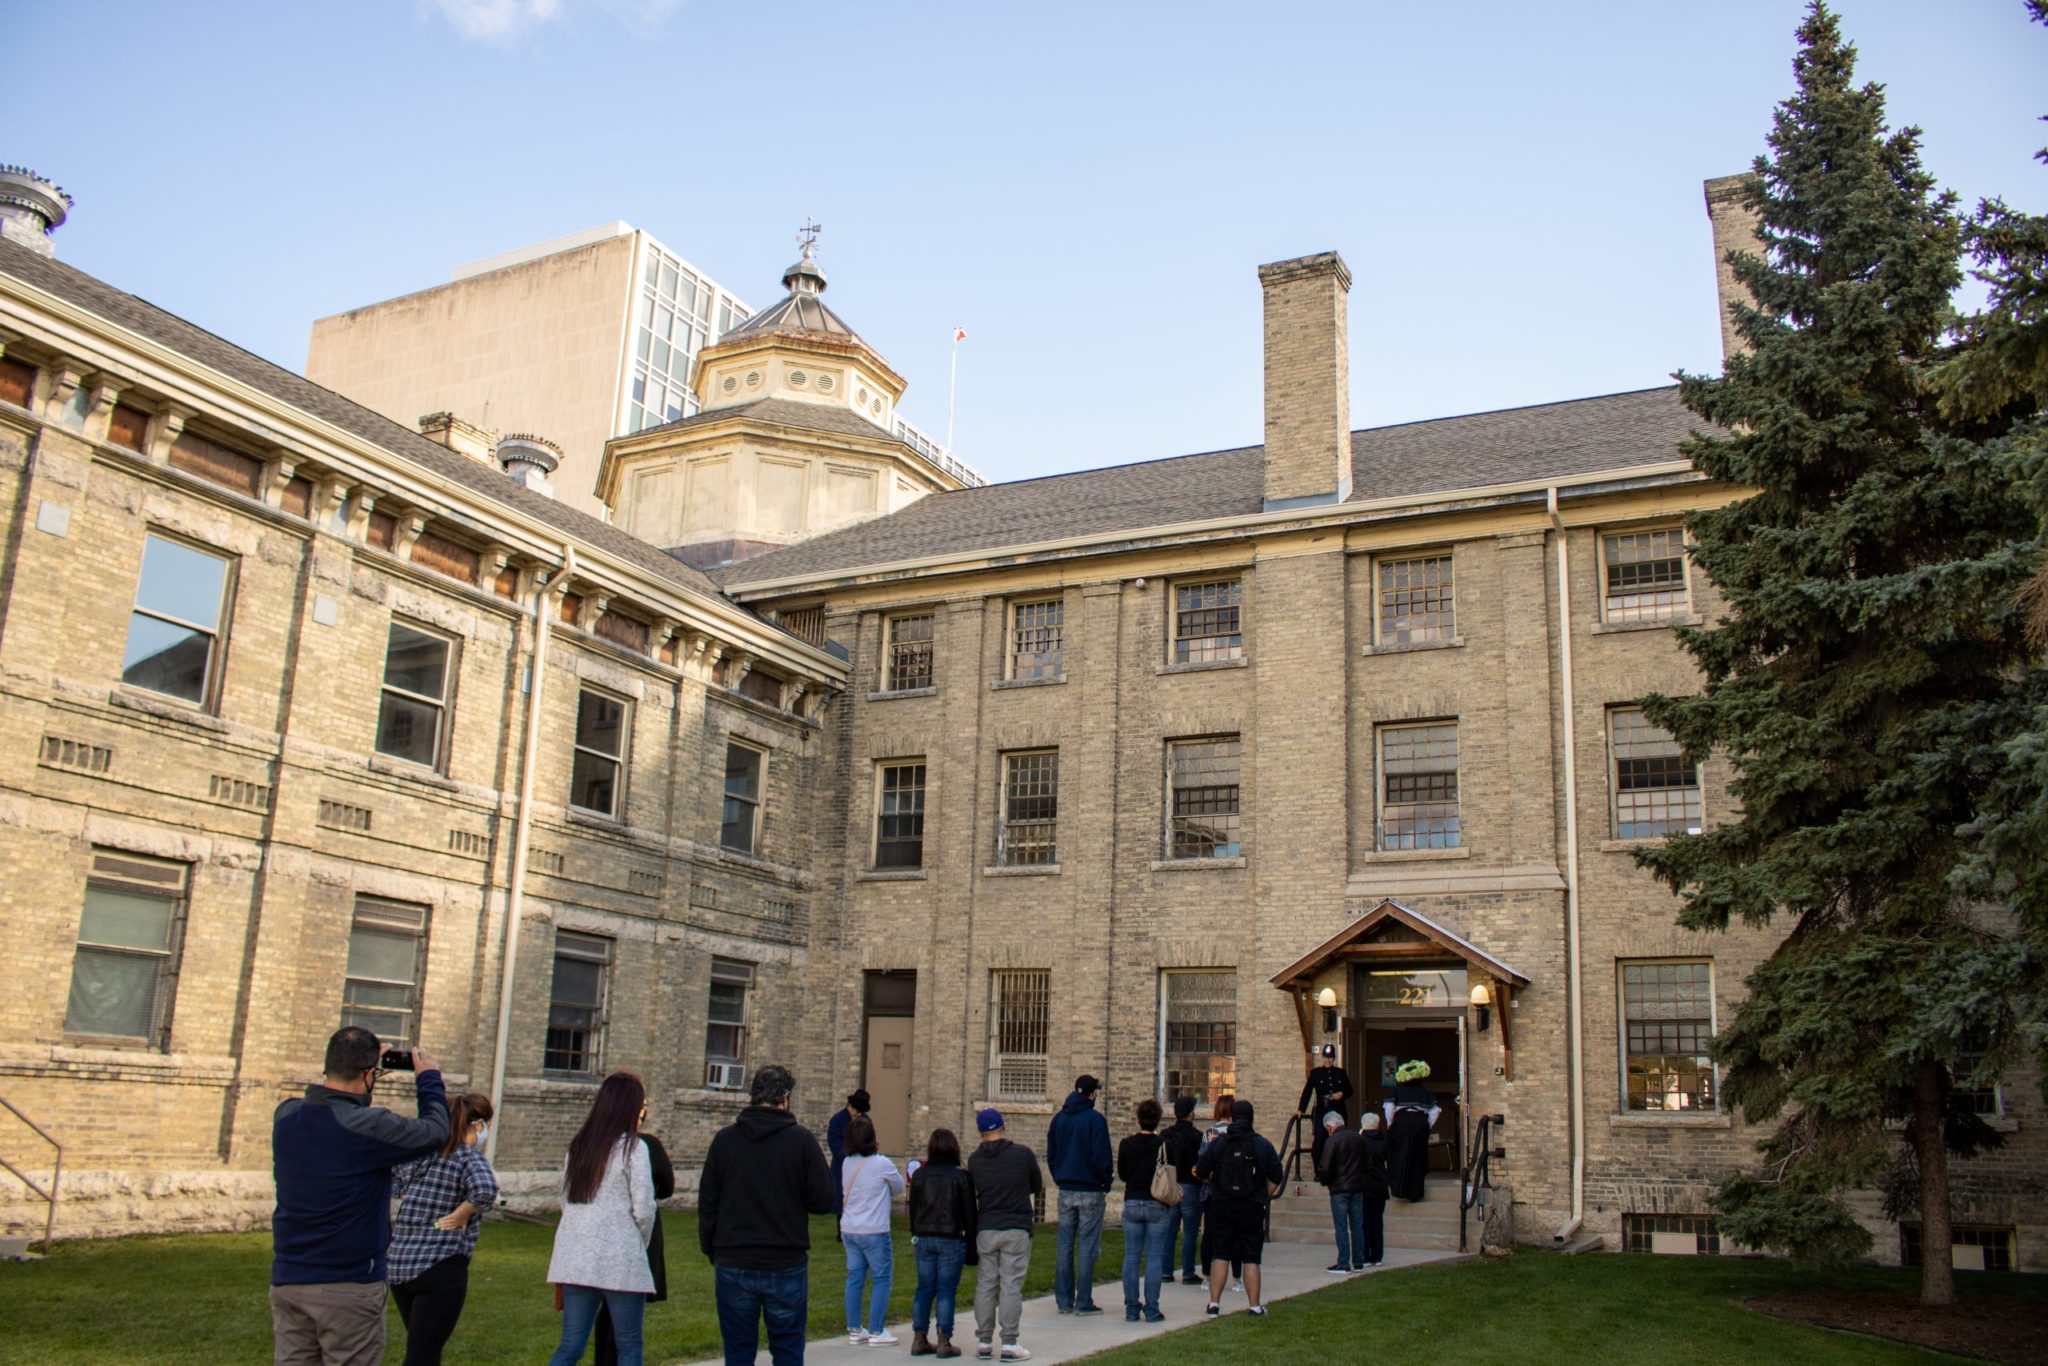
(1870, 583)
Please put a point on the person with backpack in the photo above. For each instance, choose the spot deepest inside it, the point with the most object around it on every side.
(1377, 1186)
(1342, 1171)
(1143, 1166)
(1243, 1172)
(1183, 1145)
(1219, 1125)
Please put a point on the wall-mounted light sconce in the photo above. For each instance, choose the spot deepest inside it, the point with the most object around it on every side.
(1327, 999)
(1482, 1001)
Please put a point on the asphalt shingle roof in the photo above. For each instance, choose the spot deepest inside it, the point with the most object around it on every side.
(96, 296)
(1442, 456)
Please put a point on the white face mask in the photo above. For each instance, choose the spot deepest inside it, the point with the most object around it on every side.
(483, 1132)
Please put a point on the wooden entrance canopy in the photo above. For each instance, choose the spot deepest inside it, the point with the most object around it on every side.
(1364, 941)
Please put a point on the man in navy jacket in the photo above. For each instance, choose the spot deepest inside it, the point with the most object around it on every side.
(331, 1155)
(1077, 1154)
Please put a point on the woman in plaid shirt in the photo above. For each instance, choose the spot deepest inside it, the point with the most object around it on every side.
(441, 1202)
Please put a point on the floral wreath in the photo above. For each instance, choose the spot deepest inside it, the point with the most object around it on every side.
(1411, 1071)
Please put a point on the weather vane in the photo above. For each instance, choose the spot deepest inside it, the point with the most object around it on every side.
(807, 237)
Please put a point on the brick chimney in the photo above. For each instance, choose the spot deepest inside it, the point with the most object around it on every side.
(1308, 381)
(1735, 225)
(465, 438)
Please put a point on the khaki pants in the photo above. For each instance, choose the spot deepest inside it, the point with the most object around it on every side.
(999, 1283)
(337, 1324)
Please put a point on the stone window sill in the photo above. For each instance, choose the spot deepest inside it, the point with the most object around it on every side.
(1669, 1119)
(902, 692)
(891, 875)
(1196, 865)
(999, 684)
(154, 705)
(706, 1095)
(754, 861)
(1614, 628)
(1410, 647)
(1413, 855)
(1205, 666)
(419, 773)
(1613, 846)
(1022, 870)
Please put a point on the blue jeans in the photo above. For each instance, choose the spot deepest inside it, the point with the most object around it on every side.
(579, 1316)
(744, 1296)
(939, 1263)
(1073, 1275)
(1148, 1233)
(1347, 1212)
(1185, 1222)
(868, 1254)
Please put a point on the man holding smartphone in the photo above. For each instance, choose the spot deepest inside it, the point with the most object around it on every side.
(331, 1154)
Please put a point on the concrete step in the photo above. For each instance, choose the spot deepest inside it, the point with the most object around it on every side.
(1301, 1215)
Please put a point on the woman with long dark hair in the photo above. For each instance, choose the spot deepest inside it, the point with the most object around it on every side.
(942, 1223)
(441, 1203)
(869, 1184)
(608, 1214)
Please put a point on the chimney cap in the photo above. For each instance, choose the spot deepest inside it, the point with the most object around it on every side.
(532, 450)
(1306, 268)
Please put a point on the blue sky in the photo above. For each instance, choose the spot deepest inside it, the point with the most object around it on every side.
(1087, 188)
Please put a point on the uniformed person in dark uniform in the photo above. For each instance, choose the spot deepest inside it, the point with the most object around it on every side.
(1329, 1087)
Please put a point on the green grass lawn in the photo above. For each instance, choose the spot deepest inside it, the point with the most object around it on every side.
(202, 1297)
(1541, 1307)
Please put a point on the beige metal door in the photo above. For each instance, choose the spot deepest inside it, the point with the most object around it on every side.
(888, 1080)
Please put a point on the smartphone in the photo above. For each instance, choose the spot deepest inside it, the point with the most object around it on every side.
(395, 1061)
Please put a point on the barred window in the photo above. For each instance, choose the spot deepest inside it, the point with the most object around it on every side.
(725, 1030)
(1029, 828)
(1208, 621)
(597, 778)
(1035, 638)
(174, 632)
(387, 942)
(130, 930)
(1680, 1235)
(899, 816)
(1415, 603)
(576, 1003)
(1419, 787)
(1197, 1035)
(1020, 1030)
(1202, 785)
(1645, 574)
(1667, 1012)
(1972, 1247)
(1656, 789)
(414, 706)
(909, 663)
(740, 824)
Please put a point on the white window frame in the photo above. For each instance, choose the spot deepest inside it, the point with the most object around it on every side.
(443, 706)
(1381, 804)
(1022, 1059)
(1006, 844)
(216, 635)
(166, 880)
(1614, 760)
(1630, 614)
(1381, 565)
(397, 918)
(600, 1027)
(758, 803)
(1621, 1018)
(619, 761)
(1057, 655)
(1162, 1091)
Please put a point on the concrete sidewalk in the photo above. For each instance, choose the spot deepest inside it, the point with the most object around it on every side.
(1050, 1336)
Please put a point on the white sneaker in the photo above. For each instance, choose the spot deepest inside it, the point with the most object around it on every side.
(983, 1351)
(885, 1338)
(856, 1337)
(1015, 1352)
(1237, 1287)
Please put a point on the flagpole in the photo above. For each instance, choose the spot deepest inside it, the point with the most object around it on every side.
(952, 390)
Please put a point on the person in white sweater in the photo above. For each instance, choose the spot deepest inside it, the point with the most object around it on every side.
(608, 1214)
(870, 1183)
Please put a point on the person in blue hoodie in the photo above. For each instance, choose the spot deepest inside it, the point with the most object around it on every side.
(1077, 1154)
(331, 1154)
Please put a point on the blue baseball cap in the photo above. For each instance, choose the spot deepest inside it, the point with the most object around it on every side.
(989, 1120)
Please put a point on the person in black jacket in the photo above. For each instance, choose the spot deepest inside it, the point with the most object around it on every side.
(607, 1348)
(1375, 1187)
(1007, 1186)
(1343, 1172)
(1148, 1226)
(1244, 1173)
(763, 1177)
(1328, 1088)
(942, 1226)
(1183, 1146)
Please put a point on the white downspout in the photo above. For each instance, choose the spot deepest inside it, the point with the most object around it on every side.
(1575, 1064)
(515, 894)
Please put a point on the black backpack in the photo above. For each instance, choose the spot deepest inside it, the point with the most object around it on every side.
(1237, 1168)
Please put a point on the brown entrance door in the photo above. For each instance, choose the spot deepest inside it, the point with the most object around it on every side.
(1384, 1045)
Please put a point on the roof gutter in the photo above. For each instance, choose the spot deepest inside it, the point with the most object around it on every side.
(1285, 519)
(1575, 1061)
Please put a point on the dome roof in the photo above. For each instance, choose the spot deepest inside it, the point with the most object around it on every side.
(801, 310)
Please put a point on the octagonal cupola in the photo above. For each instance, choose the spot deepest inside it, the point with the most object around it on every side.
(801, 350)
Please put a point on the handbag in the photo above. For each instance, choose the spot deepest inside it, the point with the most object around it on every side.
(1165, 1181)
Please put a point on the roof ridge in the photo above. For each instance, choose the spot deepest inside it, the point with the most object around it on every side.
(1518, 408)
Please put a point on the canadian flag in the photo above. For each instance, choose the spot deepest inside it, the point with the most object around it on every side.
(959, 334)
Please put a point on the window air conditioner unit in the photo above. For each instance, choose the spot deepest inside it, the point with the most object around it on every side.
(725, 1076)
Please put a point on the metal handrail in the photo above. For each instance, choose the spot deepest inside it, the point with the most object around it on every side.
(1478, 1173)
(1291, 1149)
(56, 1174)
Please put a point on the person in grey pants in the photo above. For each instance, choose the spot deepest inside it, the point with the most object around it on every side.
(1007, 1184)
